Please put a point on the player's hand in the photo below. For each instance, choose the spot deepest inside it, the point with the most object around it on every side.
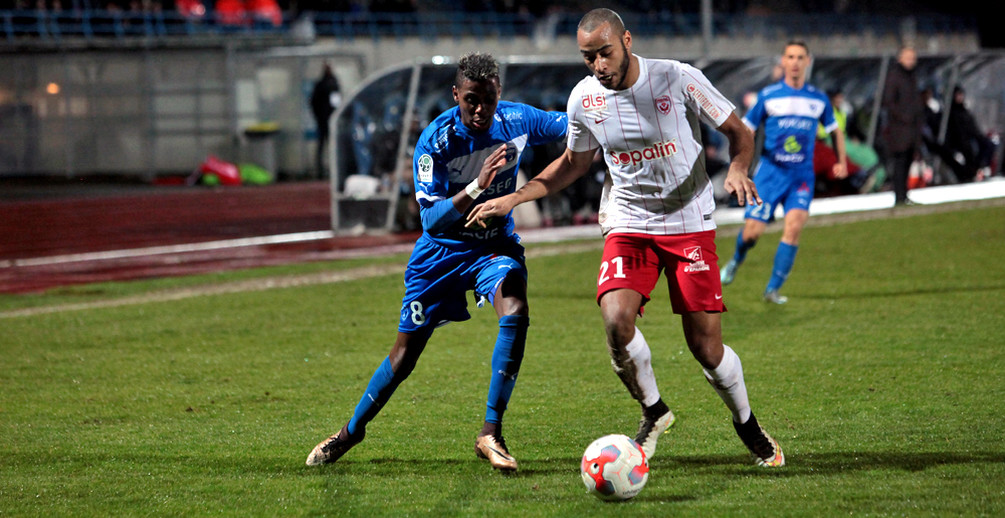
(481, 214)
(840, 171)
(492, 164)
(738, 183)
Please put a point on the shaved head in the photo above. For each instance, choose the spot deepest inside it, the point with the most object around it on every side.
(598, 17)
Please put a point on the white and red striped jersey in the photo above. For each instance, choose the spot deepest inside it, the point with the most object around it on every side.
(656, 179)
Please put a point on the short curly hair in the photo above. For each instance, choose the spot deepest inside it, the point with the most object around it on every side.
(477, 67)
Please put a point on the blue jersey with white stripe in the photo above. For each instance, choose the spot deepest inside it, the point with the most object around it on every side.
(448, 156)
(790, 119)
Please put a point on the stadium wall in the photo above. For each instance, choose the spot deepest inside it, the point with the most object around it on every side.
(145, 110)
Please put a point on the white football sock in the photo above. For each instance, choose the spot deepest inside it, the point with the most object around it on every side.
(636, 370)
(727, 380)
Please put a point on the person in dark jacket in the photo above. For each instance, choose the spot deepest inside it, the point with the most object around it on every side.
(904, 116)
(325, 99)
(964, 136)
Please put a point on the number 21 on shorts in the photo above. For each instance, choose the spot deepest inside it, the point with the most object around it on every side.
(618, 265)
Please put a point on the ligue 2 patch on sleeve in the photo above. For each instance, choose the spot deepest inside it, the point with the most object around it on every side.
(425, 168)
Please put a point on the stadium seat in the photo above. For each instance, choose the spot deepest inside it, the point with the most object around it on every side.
(231, 12)
(265, 12)
(361, 186)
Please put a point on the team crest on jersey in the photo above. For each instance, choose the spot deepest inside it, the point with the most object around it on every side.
(425, 168)
(663, 104)
(510, 152)
(698, 264)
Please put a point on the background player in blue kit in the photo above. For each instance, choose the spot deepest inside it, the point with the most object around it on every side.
(790, 111)
(467, 155)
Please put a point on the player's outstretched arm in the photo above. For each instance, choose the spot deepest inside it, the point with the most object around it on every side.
(741, 153)
(557, 176)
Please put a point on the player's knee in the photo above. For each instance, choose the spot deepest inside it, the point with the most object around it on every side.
(406, 351)
(707, 351)
(620, 331)
(520, 308)
(513, 307)
(751, 233)
(792, 233)
(403, 365)
(511, 297)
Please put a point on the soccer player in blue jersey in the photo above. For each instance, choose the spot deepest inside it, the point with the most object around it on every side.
(466, 156)
(790, 111)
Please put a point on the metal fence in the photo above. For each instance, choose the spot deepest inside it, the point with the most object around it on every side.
(149, 112)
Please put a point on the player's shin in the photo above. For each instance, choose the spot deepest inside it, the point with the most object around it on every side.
(633, 365)
(742, 247)
(382, 385)
(506, 359)
(727, 380)
(785, 257)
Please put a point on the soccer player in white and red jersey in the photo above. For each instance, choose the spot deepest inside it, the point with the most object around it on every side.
(656, 213)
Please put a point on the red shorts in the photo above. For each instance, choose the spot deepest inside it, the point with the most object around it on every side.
(634, 261)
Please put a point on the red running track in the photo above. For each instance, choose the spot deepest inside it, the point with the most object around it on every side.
(39, 234)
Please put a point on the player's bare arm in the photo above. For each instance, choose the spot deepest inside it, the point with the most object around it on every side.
(741, 153)
(840, 168)
(557, 176)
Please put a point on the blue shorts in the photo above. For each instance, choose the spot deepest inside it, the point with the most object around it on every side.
(438, 278)
(790, 188)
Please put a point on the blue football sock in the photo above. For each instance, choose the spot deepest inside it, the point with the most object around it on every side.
(506, 358)
(784, 258)
(742, 247)
(378, 391)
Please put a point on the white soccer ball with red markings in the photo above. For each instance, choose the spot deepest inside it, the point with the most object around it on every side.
(614, 468)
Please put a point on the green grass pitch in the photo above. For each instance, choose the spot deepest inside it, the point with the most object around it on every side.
(882, 380)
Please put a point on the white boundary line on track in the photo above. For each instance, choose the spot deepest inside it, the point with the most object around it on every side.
(261, 284)
(171, 249)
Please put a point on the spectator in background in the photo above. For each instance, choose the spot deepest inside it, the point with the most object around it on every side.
(860, 177)
(325, 99)
(964, 137)
(902, 121)
(932, 138)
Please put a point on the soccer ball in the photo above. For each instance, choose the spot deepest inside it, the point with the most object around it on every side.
(614, 468)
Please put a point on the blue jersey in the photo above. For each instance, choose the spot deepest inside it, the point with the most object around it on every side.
(448, 156)
(790, 119)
